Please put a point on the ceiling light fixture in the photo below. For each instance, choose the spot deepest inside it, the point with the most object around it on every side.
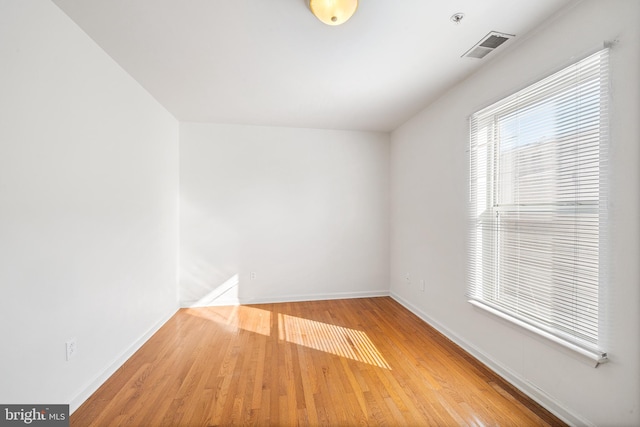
(333, 12)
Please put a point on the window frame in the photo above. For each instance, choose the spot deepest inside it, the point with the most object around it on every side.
(482, 283)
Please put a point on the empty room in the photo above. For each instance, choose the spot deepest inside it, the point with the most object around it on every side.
(325, 212)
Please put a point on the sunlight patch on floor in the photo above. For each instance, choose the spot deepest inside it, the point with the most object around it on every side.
(343, 342)
(237, 317)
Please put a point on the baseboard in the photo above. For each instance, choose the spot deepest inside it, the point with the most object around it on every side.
(314, 297)
(294, 298)
(508, 375)
(81, 397)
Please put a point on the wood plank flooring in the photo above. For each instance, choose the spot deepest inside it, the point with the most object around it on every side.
(333, 363)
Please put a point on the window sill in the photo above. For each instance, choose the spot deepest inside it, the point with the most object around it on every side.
(597, 356)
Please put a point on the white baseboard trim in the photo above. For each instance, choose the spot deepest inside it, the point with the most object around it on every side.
(315, 297)
(81, 397)
(292, 298)
(508, 375)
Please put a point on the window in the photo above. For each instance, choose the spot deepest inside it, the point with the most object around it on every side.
(538, 191)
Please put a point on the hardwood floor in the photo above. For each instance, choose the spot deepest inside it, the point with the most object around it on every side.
(336, 363)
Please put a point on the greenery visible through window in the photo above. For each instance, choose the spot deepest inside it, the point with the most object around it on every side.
(538, 189)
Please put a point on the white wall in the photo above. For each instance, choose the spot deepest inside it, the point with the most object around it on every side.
(305, 209)
(429, 219)
(88, 208)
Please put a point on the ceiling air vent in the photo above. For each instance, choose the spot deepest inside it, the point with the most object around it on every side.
(487, 45)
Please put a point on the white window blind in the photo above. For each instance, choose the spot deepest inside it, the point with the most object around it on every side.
(538, 190)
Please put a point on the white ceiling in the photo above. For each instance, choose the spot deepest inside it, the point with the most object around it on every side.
(271, 62)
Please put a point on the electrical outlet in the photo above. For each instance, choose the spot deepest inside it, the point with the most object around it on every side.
(252, 275)
(71, 349)
(422, 285)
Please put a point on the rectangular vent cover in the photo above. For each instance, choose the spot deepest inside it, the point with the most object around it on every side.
(487, 45)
